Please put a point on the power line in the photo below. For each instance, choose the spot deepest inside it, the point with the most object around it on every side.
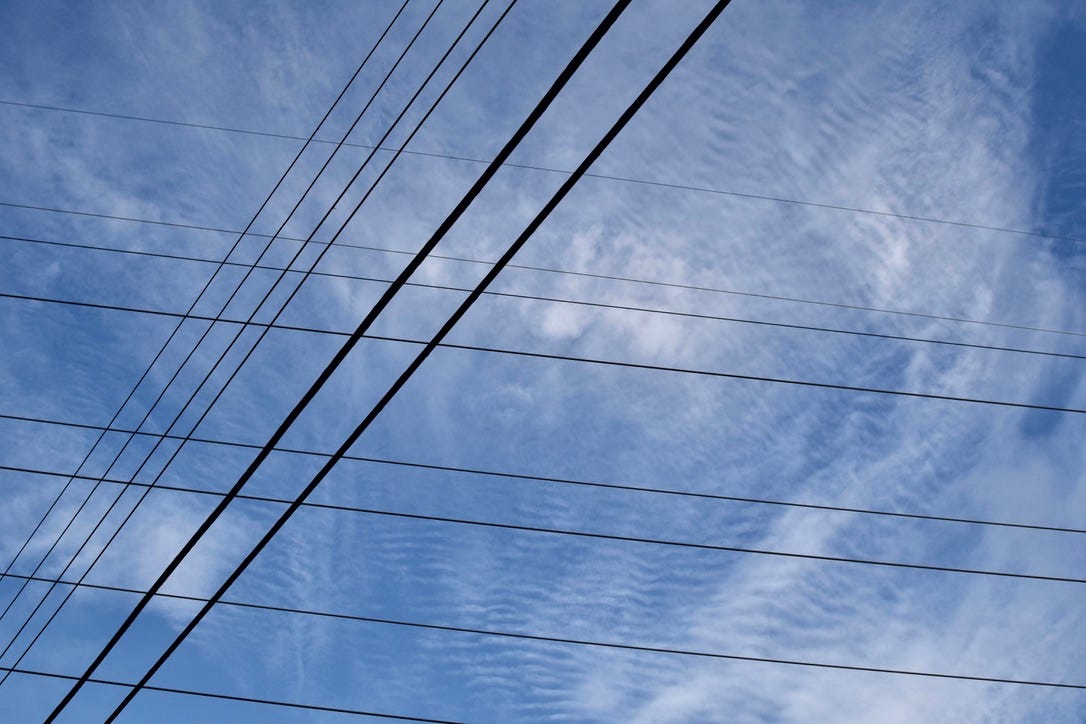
(457, 212)
(604, 177)
(564, 300)
(628, 487)
(604, 362)
(585, 642)
(222, 310)
(228, 697)
(529, 230)
(589, 275)
(191, 308)
(589, 535)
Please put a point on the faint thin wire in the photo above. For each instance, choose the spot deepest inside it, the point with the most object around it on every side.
(203, 291)
(556, 300)
(590, 275)
(626, 487)
(605, 177)
(190, 355)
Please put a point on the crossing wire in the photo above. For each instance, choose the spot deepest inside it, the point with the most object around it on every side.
(207, 285)
(540, 298)
(604, 362)
(419, 125)
(457, 212)
(189, 357)
(402, 380)
(586, 274)
(639, 648)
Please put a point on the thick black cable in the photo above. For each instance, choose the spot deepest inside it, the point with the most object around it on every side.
(192, 352)
(207, 285)
(231, 697)
(605, 177)
(284, 305)
(620, 538)
(451, 322)
(611, 363)
(563, 300)
(458, 211)
(591, 275)
(583, 642)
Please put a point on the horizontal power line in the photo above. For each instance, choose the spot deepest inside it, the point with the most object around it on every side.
(568, 272)
(543, 479)
(563, 300)
(603, 177)
(574, 358)
(577, 642)
(667, 543)
(223, 697)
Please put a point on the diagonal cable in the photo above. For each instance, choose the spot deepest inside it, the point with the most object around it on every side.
(451, 322)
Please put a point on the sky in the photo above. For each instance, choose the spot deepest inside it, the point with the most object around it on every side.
(866, 113)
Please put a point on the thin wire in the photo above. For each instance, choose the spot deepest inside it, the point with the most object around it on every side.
(190, 355)
(203, 291)
(423, 354)
(605, 177)
(580, 642)
(550, 480)
(557, 300)
(230, 697)
(589, 275)
(565, 532)
(605, 362)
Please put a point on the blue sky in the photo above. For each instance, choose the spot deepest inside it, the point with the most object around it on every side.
(964, 111)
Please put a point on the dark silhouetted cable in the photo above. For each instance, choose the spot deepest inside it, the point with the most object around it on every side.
(430, 346)
(563, 300)
(591, 275)
(583, 642)
(605, 177)
(458, 211)
(606, 362)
